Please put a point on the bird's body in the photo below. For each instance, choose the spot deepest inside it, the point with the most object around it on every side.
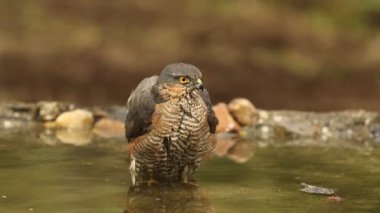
(179, 126)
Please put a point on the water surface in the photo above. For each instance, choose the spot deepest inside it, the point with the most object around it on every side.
(36, 177)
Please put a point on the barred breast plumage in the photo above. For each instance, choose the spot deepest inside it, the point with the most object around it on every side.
(180, 130)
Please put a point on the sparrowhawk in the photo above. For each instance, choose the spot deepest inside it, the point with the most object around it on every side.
(169, 125)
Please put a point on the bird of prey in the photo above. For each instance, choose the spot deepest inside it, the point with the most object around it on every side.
(169, 126)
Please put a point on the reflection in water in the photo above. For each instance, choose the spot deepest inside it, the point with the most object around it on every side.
(236, 149)
(67, 136)
(74, 137)
(167, 198)
(242, 151)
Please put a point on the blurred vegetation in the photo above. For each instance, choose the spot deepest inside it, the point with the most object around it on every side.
(314, 54)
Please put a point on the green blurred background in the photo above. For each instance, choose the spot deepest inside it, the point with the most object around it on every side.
(296, 54)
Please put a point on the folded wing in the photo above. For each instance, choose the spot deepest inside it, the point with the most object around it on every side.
(140, 107)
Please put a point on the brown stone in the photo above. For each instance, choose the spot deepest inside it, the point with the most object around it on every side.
(109, 128)
(78, 119)
(226, 121)
(50, 124)
(243, 111)
(50, 110)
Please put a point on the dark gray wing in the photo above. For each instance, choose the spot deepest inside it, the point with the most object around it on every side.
(140, 107)
(211, 118)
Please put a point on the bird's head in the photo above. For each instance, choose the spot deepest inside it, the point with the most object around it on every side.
(181, 79)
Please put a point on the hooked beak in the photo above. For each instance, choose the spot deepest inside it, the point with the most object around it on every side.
(199, 84)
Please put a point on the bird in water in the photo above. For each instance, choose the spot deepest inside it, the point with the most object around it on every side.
(170, 126)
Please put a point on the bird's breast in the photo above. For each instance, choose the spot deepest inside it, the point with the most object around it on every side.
(180, 117)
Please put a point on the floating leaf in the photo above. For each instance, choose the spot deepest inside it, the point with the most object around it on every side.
(317, 190)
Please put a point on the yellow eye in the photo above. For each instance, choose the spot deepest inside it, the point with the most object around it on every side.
(183, 79)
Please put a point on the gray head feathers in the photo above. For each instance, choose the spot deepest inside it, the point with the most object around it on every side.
(172, 71)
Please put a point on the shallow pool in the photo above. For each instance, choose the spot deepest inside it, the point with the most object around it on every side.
(37, 177)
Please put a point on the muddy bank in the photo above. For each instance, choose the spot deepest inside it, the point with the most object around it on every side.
(57, 122)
